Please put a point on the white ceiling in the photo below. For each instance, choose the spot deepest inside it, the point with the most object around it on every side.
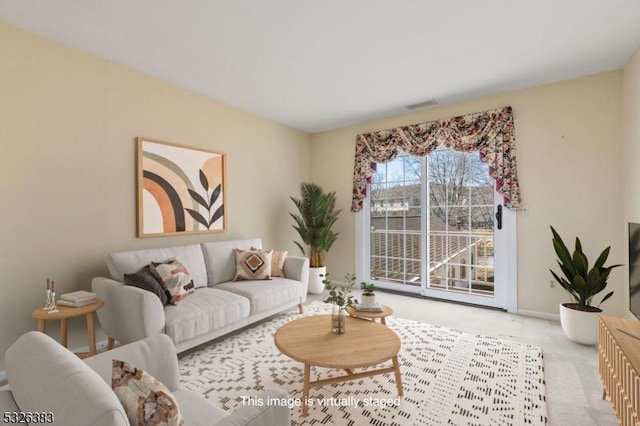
(317, 65)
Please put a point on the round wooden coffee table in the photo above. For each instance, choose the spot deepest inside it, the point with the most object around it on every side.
(364, 343)
(371, 315)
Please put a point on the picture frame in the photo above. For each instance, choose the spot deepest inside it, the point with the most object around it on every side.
(180, 189)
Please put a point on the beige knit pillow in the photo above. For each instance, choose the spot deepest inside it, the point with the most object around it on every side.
(277, 262)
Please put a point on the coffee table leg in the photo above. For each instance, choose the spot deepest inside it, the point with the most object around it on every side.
(396, 368)
(42, 326)
(305, 390)
(383, 321)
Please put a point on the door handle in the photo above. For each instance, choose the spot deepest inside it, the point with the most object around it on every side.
(499, 216)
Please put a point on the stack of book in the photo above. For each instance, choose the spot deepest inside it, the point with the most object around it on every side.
(369, 308)
(77, 298)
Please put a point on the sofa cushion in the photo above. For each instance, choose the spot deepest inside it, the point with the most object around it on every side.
(220, 258)
(196, 410)
(46, 376)
(145, 280)
(146, 401)
(206, 310)
(265, 295)
(253, 264)
(128, 262)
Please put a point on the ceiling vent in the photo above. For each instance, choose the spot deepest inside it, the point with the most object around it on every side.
(423, 104)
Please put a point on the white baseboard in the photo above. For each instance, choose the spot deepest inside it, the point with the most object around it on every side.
(100, 346)
(536, 314)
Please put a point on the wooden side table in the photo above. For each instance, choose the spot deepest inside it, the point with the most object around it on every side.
(66, 312)
(386, 311)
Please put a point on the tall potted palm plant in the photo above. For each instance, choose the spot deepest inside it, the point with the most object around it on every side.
(579, 319)
(315, 217)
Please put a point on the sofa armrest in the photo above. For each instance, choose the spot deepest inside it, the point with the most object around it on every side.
(129, 313)
(156, 355)
(263, 411)
(297, 268)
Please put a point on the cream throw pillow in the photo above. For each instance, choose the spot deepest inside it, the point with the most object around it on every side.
(277, 262)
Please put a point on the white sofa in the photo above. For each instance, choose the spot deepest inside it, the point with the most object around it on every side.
(45, 377)
(218, 305)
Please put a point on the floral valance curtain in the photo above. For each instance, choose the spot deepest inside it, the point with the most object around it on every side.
(490, 132)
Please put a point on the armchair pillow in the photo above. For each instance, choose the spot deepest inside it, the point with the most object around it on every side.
(146, 401)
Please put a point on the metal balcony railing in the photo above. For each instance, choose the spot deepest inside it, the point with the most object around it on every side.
(459, 261)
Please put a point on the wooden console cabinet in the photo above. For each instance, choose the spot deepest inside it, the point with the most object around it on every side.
(619, 360)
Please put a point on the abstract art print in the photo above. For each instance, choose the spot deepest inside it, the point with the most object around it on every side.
(181, 190)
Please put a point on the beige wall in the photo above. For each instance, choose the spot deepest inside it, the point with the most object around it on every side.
(67, 176)
(631, 147)
(569, 142)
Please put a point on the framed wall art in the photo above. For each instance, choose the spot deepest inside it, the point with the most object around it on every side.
(181, 190)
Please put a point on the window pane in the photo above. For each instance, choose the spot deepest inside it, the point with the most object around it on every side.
(482, 218)
(412, 169)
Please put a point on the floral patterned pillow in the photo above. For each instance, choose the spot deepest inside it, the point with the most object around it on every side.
(146, 401)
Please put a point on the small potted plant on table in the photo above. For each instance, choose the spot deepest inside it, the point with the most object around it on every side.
(368, 295)
(340, 298)
(579, 319)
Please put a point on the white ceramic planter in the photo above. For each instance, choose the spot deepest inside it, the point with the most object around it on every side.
(368, 300)
(316, 276)
(580, 326)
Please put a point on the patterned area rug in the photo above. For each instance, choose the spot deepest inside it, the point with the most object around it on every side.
(449, 377)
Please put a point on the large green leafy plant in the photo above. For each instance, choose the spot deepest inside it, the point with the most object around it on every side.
(315, 218)
(580, 281)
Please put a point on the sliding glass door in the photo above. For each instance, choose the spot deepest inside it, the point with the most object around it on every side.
(435, 226)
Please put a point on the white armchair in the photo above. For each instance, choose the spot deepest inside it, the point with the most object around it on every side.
(45, 377)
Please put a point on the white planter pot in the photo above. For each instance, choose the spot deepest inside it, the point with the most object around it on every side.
(580, 326)
(368, 300)
(316, 276)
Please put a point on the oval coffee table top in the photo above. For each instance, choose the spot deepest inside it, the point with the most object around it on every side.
(310, 340)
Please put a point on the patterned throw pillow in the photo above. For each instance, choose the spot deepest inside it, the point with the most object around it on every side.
(175, 278)
(146, 401)
(253, 265)
(145, 280)
(277, 262)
